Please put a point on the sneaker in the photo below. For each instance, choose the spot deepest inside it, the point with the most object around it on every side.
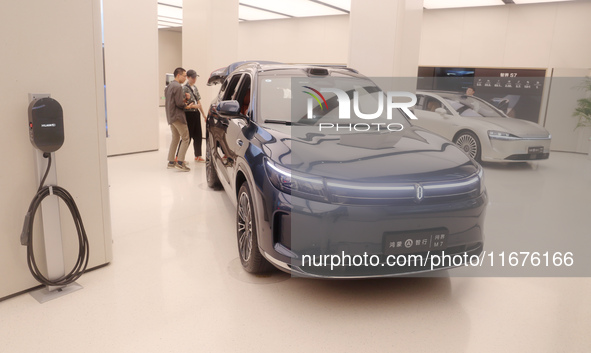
(182, 166)
(199, 159)
(170, 165)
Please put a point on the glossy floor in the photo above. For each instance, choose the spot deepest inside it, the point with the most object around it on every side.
(176, 285)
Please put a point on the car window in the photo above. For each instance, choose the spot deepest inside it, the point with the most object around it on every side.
(223, 88)
(431, 104)
(243, 94)
(231, 89)
(420, 102)
(274, 98)
(472, 107)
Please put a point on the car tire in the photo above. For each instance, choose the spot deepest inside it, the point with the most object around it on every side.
(468, 142)
(212, 176)
(248, 246)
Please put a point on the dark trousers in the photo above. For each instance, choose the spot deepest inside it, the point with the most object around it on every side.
(194, 125)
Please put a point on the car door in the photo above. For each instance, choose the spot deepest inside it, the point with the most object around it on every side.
(433, 115)
(235, 142)
(222, 152)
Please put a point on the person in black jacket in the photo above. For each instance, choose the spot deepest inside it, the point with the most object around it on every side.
(192, 113)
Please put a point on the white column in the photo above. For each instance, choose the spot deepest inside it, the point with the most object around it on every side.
(210, 40)
(385, 37)
(131, 72)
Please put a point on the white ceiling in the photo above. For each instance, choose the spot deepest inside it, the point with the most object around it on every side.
(170, 12)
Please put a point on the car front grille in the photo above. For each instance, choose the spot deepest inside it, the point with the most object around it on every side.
(527, 157)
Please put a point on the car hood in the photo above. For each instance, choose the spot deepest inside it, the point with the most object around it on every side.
(517, 127)
(413, 155)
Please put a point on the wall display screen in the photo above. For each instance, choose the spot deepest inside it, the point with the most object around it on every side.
(517, 92)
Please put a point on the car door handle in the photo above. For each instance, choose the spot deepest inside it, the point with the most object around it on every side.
(239, 142)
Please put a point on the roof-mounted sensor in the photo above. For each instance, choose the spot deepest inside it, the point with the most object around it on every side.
(317, 71)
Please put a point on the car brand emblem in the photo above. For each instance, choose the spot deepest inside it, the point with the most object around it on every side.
(419, 192)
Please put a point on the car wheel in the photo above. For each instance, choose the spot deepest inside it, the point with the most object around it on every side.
(248, 246)
(212, 176)
(469, 143)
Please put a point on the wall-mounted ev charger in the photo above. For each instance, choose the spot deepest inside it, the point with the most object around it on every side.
(46, 132)
(46, 124)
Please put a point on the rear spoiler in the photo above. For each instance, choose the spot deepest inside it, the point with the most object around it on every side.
(219, 75)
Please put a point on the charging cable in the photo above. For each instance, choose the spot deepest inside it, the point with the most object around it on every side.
(27, 233)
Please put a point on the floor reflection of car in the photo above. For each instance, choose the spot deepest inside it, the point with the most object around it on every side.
(301, 191)
(481, 130)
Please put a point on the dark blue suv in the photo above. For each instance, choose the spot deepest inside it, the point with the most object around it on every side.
(324, 190)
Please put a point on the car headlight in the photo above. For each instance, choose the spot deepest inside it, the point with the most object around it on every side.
(296, 183)
(500, 135)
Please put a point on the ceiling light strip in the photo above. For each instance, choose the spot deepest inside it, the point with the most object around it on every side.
(329, 5)
(172, 18)
(266, 10)
(169, 5)
(165, 21)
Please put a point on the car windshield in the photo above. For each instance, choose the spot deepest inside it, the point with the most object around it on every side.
(472, 107)
(310, 100)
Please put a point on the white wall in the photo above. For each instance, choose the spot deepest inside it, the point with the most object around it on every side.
(527, 36)
(562, 102)
(170, 56)
(385, 38)
(547, 36)
(295, 40)
(210, 30)
(52, 47)
(131, 66)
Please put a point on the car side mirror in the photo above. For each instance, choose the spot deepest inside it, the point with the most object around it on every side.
(231, 107)
(440, 111)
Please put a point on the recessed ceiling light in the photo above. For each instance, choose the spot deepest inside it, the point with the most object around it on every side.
(536, 1)
(248, 13)
(445, 4)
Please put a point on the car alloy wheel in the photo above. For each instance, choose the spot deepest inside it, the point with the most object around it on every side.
(468, 142)
(244, 227)
(246, 230)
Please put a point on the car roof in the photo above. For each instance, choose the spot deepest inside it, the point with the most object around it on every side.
(449, 95)
(219, 75)
(440, 92)
(271, 66)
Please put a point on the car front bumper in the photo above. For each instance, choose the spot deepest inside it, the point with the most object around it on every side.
(298, 228)
(517, 150)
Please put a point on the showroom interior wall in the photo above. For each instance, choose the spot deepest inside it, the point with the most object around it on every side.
(553, 36)
(384, 38)
(562, 101)
(322, 40)
(170, 56)
(131, 75)
(210, 40)
(52, 47)
(525, 36)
